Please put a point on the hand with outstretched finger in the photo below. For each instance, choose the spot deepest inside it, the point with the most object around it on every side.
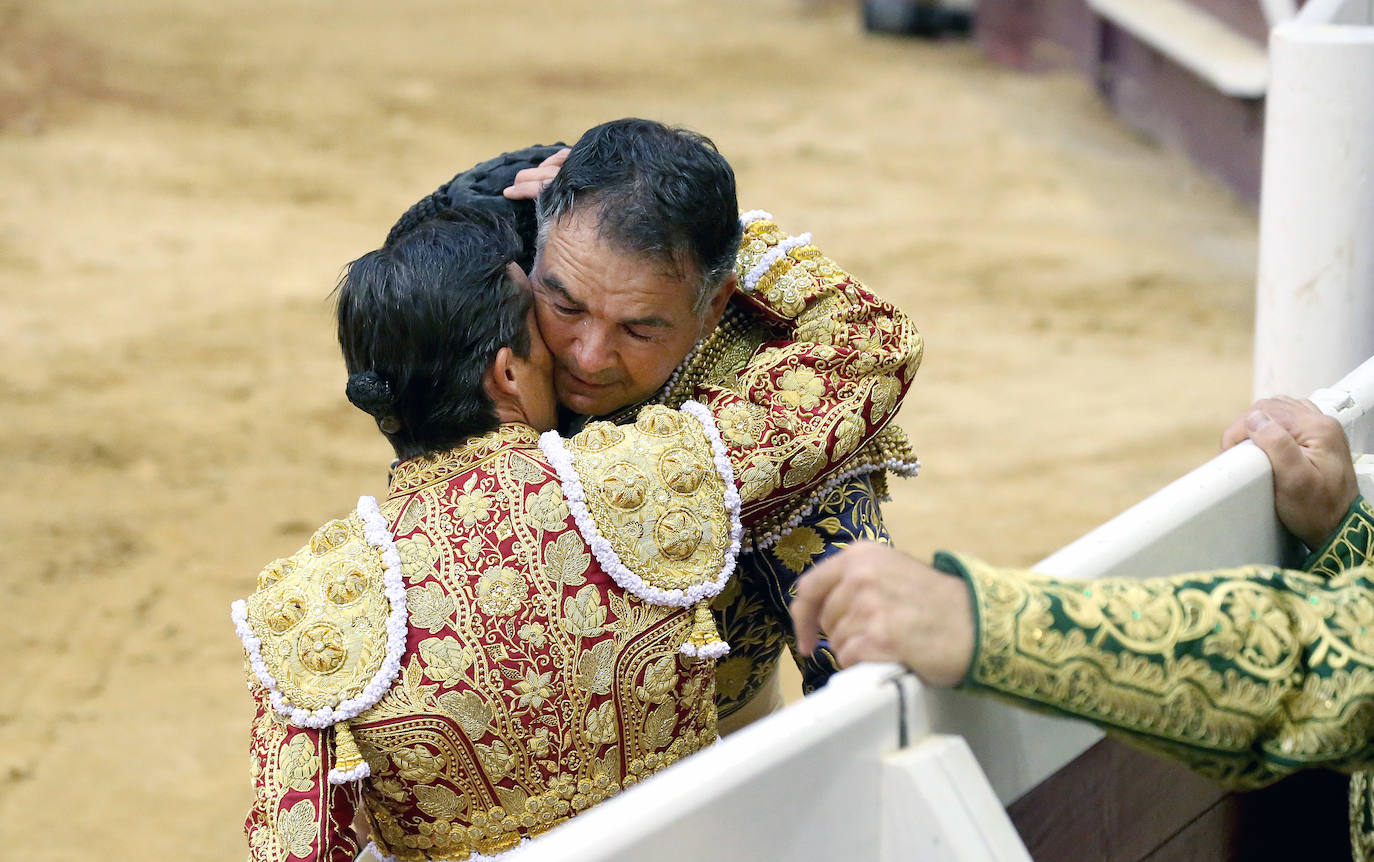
(531, 181)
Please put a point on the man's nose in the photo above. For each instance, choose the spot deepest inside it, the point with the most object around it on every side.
(593, 351)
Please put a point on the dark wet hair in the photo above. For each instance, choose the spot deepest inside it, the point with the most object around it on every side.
(480, 186)
(659, 191)
(421, 319)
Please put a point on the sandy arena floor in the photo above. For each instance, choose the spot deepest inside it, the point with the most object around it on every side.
(183, 181)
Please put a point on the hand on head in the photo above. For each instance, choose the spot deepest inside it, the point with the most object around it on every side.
(529, 182)
(1314, 478)
(877, 604)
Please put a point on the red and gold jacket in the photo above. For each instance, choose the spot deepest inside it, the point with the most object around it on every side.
(803, 376)
(517, 634)
(478, 647)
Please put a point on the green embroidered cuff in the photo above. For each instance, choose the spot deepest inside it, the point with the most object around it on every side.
(1350, 545)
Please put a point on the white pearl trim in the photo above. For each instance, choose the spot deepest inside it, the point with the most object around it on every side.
(397, 627)
(557, 452)
(892, 465)
(752, 216)
(667, 388)
(751, 280)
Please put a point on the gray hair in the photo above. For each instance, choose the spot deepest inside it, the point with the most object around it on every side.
(666, 193)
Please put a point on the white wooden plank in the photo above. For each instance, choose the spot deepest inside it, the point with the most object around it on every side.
(1195, 40)
(938, 807)
(802, 784)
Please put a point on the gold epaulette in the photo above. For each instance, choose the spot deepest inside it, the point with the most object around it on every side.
(326, 629)
(657, 504)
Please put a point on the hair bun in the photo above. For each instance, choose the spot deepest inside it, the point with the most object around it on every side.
(370, 393)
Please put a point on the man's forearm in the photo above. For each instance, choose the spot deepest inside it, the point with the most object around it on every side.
(1244, 675)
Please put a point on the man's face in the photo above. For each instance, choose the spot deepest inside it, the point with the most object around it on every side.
(536, 394)
(617, 323)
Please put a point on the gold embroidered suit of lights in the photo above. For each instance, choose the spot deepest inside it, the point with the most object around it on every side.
(298, 813)
(321, 615)
(532, 687)
(1245, 675)
(803, 376)
(1351, 546)
(1281, 681)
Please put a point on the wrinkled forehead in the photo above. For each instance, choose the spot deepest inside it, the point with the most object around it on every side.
(609, 229)
(578, 257)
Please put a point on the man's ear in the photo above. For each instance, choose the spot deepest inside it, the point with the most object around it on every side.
(716, 309)
(499, 378)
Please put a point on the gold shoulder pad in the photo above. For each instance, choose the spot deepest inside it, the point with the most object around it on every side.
(326, 628)
(656, 502)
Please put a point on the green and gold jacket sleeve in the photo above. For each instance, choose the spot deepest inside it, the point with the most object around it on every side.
(1244, 675)
(1351, 545)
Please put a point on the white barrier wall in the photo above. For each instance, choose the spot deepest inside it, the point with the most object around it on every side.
(850, 773)
(875, 768)
(1314, 316)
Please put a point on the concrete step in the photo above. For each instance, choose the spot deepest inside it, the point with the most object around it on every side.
(1195, 40)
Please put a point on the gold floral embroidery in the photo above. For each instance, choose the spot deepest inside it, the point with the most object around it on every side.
(1244, 674)
(430, 608)
(584, 615)
(446, 659)
(534, 689)
(473, 505)
(300, 765)
(416, 763)
(418, 555)
(523, 702)
(296, 828)
(546, 507)
(501, 591)
(1351, 545)
(320, 616)
(657, 498)
(800, 387)
(799, 548)
(534, 634)
(566, 560)
(473, 714)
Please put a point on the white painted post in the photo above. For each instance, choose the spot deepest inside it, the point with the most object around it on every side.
(1278, 11)
(1314, 316)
